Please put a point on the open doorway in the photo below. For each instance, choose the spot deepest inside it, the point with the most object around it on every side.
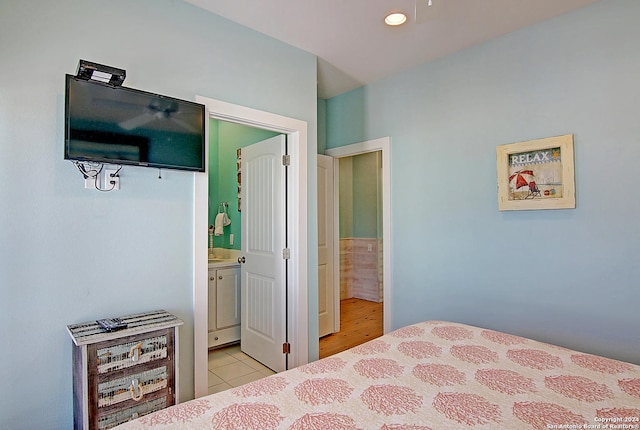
(369, 247)
(297, 297)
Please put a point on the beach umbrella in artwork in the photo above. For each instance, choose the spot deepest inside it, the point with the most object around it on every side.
(521, 178)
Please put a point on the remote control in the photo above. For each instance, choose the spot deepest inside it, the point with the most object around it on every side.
(112, 324)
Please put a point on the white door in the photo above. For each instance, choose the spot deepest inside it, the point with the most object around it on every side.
(328, 299)
(263, 328)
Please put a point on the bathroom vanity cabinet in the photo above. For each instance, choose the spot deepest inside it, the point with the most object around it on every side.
(224, 304)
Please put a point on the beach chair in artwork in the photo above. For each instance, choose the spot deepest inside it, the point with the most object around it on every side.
(534, 191)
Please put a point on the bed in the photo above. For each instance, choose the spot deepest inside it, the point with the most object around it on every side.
(431, 375)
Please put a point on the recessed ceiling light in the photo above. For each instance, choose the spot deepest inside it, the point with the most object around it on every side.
(395, 18)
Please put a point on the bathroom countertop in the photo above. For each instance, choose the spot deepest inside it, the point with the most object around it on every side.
(219, 262)
(223, 257)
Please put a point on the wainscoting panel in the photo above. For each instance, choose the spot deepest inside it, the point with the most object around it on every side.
(361, 269)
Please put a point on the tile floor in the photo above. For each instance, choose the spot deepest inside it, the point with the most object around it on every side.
(229, 367)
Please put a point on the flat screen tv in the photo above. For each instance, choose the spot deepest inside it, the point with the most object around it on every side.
(119, 125)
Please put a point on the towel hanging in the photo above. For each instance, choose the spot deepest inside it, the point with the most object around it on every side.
(222, 219)
(218, 225)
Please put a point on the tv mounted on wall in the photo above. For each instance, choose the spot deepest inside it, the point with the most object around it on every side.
(118, 125)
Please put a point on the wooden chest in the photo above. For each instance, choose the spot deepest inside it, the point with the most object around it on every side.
(125, 374)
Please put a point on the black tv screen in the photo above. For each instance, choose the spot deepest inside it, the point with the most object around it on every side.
(119, 125)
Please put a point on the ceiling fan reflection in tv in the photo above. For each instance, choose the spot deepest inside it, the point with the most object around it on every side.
(158, 109)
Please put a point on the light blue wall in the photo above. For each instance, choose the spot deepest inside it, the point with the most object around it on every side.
(69, 255)
(565, 276)
(367, 209)
(322, 126)
(360, 207)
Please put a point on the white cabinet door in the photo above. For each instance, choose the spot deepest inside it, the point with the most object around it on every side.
(212, 301)
(227, 298)
(224, 305)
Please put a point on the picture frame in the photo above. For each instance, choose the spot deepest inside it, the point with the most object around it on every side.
(239, 174)
(536, 174)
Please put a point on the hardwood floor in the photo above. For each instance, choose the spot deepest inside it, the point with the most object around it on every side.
(360, 321)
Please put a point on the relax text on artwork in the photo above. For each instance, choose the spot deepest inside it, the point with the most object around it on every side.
(530, 157)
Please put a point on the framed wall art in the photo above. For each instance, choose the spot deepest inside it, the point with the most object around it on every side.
(239, 170)
(536, 174)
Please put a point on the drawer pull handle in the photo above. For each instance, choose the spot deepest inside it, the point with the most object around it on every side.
(136, 390)
(135, 352)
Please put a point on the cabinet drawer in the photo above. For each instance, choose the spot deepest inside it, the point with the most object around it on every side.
(118, 417)
(132, 353)
(132, 387)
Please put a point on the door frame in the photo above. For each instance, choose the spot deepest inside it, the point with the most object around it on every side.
(382, 144)
(297, 272)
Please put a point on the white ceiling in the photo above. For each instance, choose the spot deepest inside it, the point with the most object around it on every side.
(355, 48)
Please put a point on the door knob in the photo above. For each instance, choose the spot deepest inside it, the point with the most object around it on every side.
(241, 260)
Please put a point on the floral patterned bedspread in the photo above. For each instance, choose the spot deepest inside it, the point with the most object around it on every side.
(431, 375)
